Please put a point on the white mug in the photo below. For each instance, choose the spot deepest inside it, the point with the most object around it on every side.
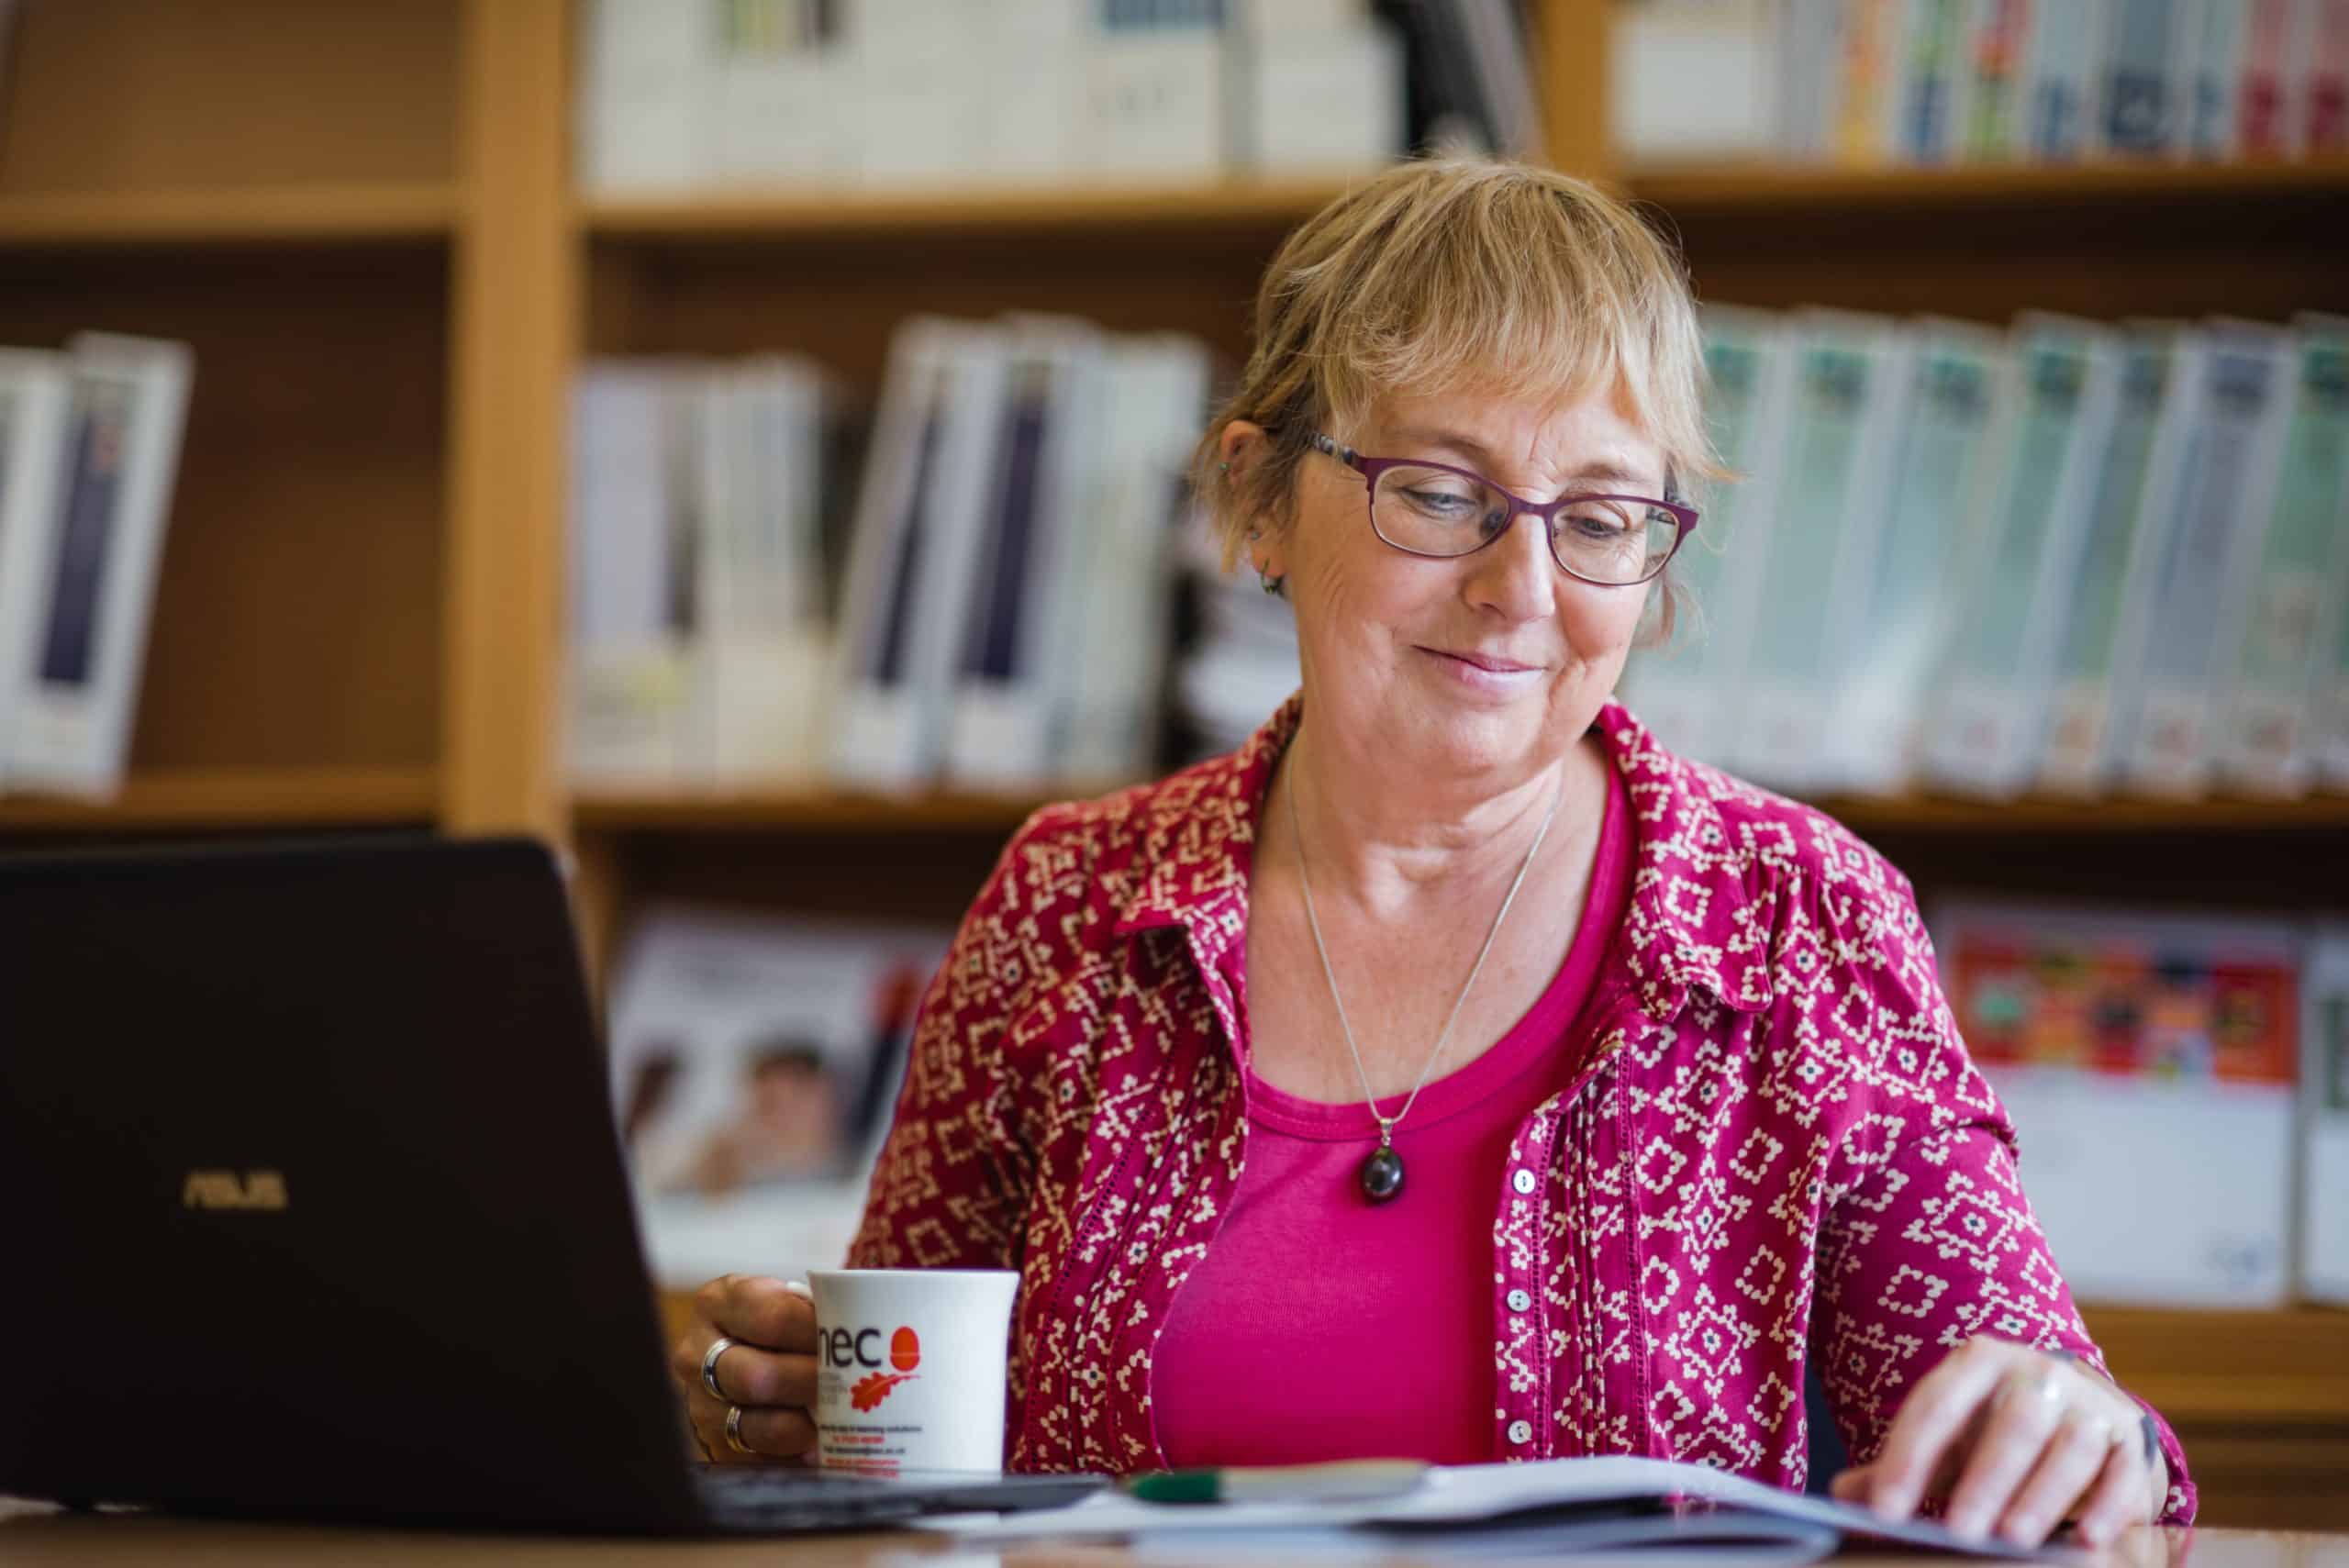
(910, 1368)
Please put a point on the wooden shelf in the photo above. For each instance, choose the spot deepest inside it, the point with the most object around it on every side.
(2284, 1367)
(852, 213)
(233, 215)
(816, 811)
(2040, 814)
(1763, 187)
(205, 798)
(801, 810)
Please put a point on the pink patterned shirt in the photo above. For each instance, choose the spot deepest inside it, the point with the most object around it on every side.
(1393, 1337)
(1771, 1148)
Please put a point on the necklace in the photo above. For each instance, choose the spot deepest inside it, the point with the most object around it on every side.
(1382, 1170)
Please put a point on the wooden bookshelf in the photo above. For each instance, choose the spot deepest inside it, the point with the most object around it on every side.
(2156, 188)
(419, 210)
(2032, 814)
(816, 811)
(206, 799)
(361, 218)
(860, 215)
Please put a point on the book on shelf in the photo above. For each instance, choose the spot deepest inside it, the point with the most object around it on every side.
(894, 94)
(1314, 94)
(1030, 559)
(2168, 735)
(2326, 114)
(1687, 691)
(2322, 1268)
(1118, 621)
(755, 1061)
(2300, 577)
(1699, 78)
(1991, 115)
(1851, 387)
(2142, 93)
(916, 534)
(82, 651)
(36, 395)
(1929, 83)
(2061, 79)
(2160, 1047)
(1934, 80)
(1962, 409)
(2125, 531)
(2065, 390)
(699, 643)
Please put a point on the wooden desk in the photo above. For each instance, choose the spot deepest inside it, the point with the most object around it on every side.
(33, 1536)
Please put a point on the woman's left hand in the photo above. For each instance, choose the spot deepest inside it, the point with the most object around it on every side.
(2020, 1440)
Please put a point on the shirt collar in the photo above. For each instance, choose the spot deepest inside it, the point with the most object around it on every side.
(1689, 900)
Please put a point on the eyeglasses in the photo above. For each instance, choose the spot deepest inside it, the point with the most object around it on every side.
(1436, 510)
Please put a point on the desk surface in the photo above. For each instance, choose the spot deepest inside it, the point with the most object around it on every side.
(35, 1537)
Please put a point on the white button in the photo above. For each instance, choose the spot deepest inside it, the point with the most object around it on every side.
(1520, 1432)
(1523, 1182)
(1519, 1301)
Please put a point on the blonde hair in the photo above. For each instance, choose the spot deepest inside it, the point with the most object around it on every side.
(1446, 275)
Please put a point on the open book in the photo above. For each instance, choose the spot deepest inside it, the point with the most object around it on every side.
(1549, 1507)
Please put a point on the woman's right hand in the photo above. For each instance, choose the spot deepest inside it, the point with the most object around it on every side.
(769, 1370)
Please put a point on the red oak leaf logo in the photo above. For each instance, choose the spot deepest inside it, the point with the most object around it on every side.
(870, 1390)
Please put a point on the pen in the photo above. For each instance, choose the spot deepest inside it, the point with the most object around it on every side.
(1345, 1481)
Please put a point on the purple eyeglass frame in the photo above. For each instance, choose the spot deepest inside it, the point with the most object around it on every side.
(1370, 468)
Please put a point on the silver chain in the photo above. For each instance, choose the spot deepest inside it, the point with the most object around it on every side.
(1387, 1125)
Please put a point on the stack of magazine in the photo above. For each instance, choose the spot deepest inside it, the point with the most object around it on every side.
(89, 450)
(1002, 613)
(2066, 558)
(755, 1061)
(2206, 1054)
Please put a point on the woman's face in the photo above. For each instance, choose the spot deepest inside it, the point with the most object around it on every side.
(1491, 662)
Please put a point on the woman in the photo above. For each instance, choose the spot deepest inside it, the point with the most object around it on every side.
(1450, 1071)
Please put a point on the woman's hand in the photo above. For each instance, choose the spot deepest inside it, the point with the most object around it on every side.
(769, 1371)
(2020, 1440)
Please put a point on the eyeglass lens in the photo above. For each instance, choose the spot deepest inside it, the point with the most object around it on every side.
(1433, 511)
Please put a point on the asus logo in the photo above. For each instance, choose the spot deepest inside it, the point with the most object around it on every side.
(224, 1189)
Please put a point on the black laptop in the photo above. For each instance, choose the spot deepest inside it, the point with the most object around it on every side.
(316, 1207)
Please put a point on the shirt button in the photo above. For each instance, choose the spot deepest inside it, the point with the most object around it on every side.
(1524, 1181)
(1520, 1432)
(1519, 1301)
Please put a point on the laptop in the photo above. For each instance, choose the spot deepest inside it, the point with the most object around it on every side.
(316, 1207)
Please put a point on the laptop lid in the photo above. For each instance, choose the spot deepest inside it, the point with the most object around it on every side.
(316, 1203)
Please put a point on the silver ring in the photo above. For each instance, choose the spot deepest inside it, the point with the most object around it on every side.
(717, 1348)
(734, 1431)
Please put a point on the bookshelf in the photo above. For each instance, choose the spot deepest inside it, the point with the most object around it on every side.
(362, 219)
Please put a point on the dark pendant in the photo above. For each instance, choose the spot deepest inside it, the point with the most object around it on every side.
(1381, 1176)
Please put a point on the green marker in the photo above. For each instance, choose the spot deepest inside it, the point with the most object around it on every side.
(1345, 1481)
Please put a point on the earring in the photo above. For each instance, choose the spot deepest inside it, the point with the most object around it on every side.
(1223, 468)
(1272, 584)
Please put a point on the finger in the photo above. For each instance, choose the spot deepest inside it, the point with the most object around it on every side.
(764, 1312)
(2117, 1500)
(2068, 1466)
(2029, 1404)
(747, 1376)
(1852, 1486)
(1935, 1413)
(768, 1434)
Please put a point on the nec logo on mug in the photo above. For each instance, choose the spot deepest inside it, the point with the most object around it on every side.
(226, 1189)
(844, 1347)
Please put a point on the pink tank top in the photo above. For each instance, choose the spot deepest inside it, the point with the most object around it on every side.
(1317, 1327)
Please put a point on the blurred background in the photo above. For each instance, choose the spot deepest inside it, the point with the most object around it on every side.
(742, 440)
